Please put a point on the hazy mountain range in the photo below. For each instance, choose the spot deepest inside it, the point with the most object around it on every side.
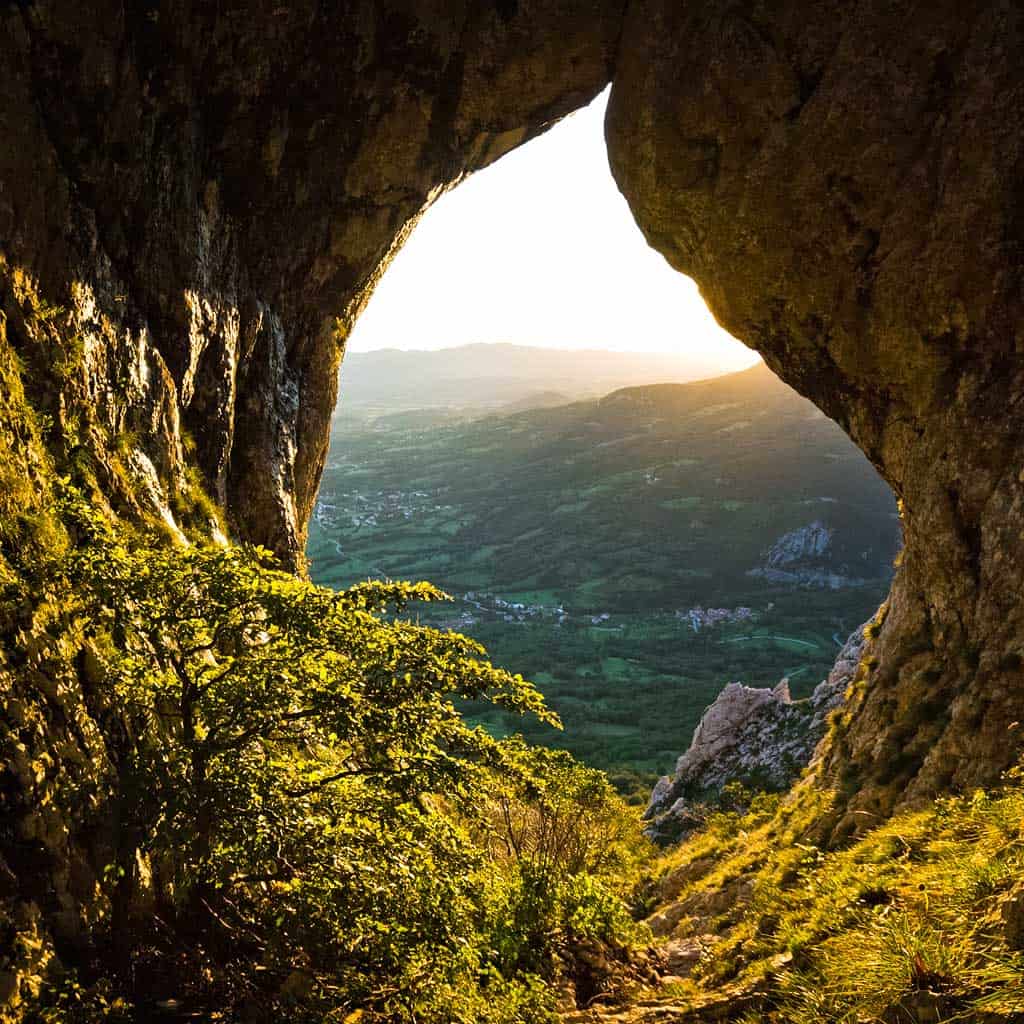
(493, 377)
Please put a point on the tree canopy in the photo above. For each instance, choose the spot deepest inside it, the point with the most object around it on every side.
(302, 809)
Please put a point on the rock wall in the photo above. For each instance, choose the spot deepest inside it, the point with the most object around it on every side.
(208, 193)
(843, 181)
(195, 202)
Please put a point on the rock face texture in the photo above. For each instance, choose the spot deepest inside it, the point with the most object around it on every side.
(208, 193)
(808, 557)
(757, 737)
(805, 544)
(843, 180)
(195, 203)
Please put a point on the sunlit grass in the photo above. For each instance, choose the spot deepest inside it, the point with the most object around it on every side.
(919, 911)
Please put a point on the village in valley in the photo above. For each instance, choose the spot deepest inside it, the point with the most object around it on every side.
(359, 511)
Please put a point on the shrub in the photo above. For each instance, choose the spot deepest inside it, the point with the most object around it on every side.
(568, 848)
(304, 821)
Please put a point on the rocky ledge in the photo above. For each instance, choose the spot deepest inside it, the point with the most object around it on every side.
(759, 737)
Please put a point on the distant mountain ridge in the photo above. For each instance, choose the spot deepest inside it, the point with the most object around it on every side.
(489, 377)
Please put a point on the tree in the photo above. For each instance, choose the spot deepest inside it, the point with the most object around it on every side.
(296, 787)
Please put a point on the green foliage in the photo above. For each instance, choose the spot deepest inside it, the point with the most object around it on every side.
(46, 311)
(67, 1001)
(30, 535)
(301, 804)
(192, 506)
(571, 850)
(69, 362)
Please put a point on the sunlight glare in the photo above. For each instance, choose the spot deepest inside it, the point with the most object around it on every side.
(541, 249)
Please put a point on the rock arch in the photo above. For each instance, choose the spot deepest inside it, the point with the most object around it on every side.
(212, 190)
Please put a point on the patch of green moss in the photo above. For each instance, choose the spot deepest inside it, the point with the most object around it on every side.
(29, 534)
(193, 508)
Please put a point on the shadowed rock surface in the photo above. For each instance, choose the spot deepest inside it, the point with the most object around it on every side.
(211, 192)
(195, 203)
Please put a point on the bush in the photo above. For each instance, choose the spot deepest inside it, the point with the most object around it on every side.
(567, 849)
(304, 821)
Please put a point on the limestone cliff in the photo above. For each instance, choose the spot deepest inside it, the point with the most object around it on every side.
(195, 202)
(209, 194)
(758, 737)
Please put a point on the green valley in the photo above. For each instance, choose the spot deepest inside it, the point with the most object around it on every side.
(630, 554)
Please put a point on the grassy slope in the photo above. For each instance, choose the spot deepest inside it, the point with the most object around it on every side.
(920, 919)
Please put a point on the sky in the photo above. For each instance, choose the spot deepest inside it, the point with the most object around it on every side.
(540, 249)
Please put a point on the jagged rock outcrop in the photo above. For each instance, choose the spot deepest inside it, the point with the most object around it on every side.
(819, 556)
(758, 737)
(806, 543)
(802, 556)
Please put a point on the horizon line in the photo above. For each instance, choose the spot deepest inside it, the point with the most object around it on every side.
(533, 347)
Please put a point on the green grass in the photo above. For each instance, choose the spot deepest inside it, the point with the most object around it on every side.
(548, 598)
(790, 643)
(921, 908)
(621, 669)
(570, 508)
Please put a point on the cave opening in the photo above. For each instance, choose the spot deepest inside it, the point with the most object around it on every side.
(539, 415)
